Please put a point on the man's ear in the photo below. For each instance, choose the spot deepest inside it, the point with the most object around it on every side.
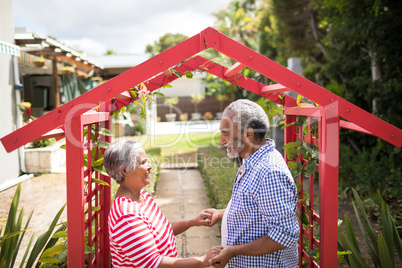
(249, 133)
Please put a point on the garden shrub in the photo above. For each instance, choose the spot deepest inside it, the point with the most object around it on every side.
(370, 171)
(218, 178)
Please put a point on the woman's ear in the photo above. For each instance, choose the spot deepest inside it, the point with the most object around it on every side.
(123, 170)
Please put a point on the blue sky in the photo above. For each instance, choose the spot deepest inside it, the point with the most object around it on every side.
(126, 26)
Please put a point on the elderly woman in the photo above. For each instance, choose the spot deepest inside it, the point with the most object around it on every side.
(140, 235)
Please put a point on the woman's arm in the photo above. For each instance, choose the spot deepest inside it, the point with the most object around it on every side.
(193, 262)
(203, 219)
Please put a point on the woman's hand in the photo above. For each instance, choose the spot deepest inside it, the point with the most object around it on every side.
(214, 251)
(203, 219)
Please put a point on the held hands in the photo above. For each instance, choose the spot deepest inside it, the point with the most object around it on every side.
(220, 260)
(214, 251)
(203, 219)
(216, 215)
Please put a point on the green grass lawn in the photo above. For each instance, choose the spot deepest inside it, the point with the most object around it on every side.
(178, 143)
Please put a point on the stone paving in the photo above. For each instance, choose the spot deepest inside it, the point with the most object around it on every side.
(180, 194)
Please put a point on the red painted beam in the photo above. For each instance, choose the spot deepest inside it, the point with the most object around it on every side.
(237, 67)
(352, 126)
(102, 93)
(51, 134)
(273, 89)
(302, 86)
(238, 79)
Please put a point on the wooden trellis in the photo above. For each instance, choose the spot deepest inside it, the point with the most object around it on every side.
(332, 114)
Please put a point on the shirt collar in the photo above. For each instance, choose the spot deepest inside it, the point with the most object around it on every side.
(252, 159)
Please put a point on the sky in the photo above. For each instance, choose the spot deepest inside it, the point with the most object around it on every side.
(125, 26)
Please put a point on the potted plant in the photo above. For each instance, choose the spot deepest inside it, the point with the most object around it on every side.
(67, 70)
(171, 117)
(196, 99)
(208, 115)
(39, 62)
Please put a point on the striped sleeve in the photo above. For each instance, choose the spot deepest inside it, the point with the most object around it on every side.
(135, 239)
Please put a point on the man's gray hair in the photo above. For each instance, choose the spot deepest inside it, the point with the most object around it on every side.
(245, 113)
(121, 154)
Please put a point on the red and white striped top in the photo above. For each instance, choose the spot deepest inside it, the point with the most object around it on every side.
(139, 234)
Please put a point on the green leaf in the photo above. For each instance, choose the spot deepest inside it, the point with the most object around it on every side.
(133, 94)
(351, 233)
(60, 234)
(355, 259)
(41, 241)
(55, 250)
(101, 182)
(101, 170)
(98, 162)
(188, 74)
(288, 125)
(298, 186)
(49, 260)
(63, 256)
(291, 145)
(177, 73)
(96, 208)
(387, 228)
(103, 144)
(367, 224)
(292, 165)
(88, 249)
(304, 218)
(63, 146)
(105, 132)
(167, 85)
(385, 258)
(299, 99)
(311, 166)
(159, 94)
(139, 104)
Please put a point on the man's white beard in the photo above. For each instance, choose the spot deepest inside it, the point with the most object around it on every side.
(235, 150)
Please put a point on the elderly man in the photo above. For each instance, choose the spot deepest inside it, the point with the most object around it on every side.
(259, 225)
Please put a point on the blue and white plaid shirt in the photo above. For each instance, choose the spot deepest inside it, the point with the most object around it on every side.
(264, 202)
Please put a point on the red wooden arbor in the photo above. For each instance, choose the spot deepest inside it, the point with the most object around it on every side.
(110, 96)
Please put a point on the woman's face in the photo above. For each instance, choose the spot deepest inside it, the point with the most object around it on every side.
(141, 175)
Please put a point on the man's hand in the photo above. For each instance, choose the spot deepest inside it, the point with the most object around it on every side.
(216, 215)
(222, 259)
(214, 251)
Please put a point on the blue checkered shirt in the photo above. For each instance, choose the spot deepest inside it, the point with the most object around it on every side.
(264, 202)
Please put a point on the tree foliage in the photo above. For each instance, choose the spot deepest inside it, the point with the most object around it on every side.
(166, 41)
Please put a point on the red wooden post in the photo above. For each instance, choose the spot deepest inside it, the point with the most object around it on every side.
(75, 193)
(328, 185)
(105, 204)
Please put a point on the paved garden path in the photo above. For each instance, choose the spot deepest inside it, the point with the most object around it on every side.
(180, 194)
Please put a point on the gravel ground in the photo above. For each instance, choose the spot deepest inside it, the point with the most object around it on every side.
(45, 195)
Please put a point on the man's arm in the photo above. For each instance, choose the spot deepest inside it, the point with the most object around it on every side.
(261, 246)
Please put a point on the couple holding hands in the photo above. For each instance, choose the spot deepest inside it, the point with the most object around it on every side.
(259, 225)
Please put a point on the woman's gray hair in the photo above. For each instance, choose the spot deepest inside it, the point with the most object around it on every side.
(245, 113)
(121, 154)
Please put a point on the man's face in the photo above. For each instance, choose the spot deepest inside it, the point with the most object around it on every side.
(230, 138)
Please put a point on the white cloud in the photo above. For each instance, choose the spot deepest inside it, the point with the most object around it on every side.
(121, 25)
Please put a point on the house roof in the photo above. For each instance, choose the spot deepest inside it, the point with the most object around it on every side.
(121, 61)
(40, 45)
(156, 72)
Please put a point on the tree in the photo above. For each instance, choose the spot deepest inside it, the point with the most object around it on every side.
(166, 41)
